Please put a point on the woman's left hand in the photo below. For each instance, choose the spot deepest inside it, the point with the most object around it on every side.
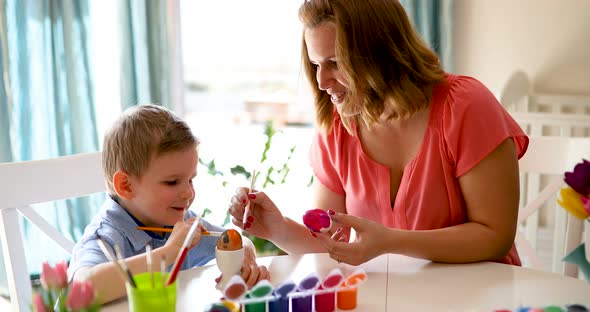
(369, 242)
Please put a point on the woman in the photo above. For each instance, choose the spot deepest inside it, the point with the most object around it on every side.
(419, 162)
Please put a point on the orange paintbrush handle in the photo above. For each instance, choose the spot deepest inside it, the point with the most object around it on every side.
(167, 230)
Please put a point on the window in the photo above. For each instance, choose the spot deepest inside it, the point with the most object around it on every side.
(241, 68)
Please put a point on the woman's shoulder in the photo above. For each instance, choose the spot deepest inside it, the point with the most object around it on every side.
(464, 95)
(466, 88)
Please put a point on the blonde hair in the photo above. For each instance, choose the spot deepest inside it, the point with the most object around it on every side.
(141, 133)
(382, 57)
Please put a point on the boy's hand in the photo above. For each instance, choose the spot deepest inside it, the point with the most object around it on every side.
(251, 271)
(177, 237)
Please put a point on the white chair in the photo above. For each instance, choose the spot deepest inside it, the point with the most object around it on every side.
(518, 96)
(539, 113)
(553, 124)
(32, 182)
(550, 156)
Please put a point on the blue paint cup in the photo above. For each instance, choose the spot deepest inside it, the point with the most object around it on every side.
(281, 303)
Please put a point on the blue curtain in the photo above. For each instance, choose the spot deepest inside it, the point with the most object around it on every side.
(145, 59)
(46, 103)
(434, 20)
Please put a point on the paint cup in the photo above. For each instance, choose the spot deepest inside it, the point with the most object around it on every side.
(260, 293)
(236, 288)
(223, 306)
(303, 301)
(347, 295)
(325, 300)
(151, 295)
(281, 303)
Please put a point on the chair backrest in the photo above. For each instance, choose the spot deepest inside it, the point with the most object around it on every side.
(553, 124)
(31, 182)
(551, 157)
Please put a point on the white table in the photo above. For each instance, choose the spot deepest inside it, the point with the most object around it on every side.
(399, 283)
(420, 285)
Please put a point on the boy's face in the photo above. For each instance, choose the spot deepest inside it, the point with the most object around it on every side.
(165, 191)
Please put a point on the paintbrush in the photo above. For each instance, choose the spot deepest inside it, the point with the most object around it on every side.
(247, 209)
(124, 264)
(182, 253)
(168, 230)
(112, 259)
(148, 259)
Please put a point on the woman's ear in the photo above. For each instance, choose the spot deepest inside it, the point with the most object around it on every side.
(122, 184)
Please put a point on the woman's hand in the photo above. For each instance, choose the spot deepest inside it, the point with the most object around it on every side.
(369, 242)
(265, 219)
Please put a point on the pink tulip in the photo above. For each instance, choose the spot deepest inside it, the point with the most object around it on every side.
(54, 278)
(61, 270)
(39, 304)
(80, 295)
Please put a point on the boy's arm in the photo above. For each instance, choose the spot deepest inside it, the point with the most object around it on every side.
(106, 277)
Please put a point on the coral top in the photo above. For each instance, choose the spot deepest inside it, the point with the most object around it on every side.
(465, 124)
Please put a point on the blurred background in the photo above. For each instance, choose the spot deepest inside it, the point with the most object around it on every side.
(232, 70)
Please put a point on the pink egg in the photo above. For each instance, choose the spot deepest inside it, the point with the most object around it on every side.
(317, 220)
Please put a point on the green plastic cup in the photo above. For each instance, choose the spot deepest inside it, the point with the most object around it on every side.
(144, 297)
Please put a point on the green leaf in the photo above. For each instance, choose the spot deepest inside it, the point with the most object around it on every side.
(268, 180)
(206, 212)
(238, 169)
(211, 169)
(227, 219)
(310, 181)
(269, 132)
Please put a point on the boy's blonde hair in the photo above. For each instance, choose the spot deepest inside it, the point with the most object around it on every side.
(141, 133)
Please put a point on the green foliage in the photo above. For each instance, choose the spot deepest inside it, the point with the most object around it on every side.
(206, 212)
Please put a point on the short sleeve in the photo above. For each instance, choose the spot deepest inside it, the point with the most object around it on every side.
(324, 157)
(475, 123)
(87, 253)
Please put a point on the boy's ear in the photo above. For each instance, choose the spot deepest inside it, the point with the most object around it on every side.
(122, 184)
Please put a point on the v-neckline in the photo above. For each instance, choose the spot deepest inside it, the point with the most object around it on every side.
(384, 168)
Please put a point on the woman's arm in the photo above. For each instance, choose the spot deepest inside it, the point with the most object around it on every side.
(491, 193)
(289, 235)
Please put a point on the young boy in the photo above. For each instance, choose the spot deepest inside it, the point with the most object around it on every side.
(149, 162)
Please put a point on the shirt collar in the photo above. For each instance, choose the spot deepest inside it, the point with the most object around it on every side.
(128, 224)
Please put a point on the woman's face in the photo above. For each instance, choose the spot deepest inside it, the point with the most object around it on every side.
(321, 41)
